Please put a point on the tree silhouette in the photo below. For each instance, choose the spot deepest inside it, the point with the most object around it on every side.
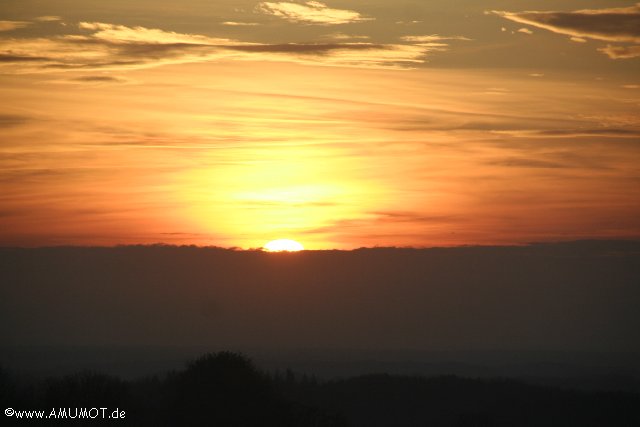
(224, 389)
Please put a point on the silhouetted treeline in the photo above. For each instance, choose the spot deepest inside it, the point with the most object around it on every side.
(226, 389)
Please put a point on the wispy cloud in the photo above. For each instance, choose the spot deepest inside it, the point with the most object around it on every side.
(343, 36)
(433, 38)
(239, 24)
(616, 25)
(13, 25)
(311, 12)
(109, 46)
(98, 79)
(132, 35)
(10, 120)
(620, 25)
(621, 52)
(573, 133)
(48, 18)
(433, 42)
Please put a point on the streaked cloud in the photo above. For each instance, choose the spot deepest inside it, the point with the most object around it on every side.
(110, 46)
(616, 25)
(48, 18)
(98, 79)
(621, 52)
(620, 25)
(433, 38)
(433, 42)
(10, 120)
(343, 36)
(240, 24)
(311, 12)
(121, 34)
(573, 133)
(13, 25)
(525, 31)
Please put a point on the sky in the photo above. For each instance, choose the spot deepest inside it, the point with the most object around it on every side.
(340, 125)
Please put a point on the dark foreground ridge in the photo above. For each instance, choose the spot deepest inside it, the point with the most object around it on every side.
(226, 389)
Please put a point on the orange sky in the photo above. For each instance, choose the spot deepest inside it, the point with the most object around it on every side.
(144, 132)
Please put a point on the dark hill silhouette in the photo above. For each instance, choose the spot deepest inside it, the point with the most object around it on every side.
(562, 309)
(227, 389)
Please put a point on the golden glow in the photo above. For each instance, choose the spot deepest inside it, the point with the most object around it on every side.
(283, 245)
(346, 159)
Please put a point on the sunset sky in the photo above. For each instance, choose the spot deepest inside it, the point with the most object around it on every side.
(339, 125)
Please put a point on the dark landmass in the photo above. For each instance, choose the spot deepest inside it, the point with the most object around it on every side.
(227, 389)
(442, 325)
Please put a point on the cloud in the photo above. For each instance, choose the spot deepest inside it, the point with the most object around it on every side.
(98, 79)
(307, 48)
(432, 38)
(572, 133)
(12, 25)
(130, 35)
(621, 52)
(239, 24)
(311, 12)
(48, 18)
(616, 25)
(9, 57)
(10, 120)
(554, 159)
(620, 25)
(109, 46)
(343, 36)
(433, 42)
(412, 217)
(528, 163)
(525, 31)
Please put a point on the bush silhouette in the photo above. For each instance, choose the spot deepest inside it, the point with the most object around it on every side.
(224, 389)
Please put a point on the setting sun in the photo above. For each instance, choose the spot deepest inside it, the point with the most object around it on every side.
(283, 245)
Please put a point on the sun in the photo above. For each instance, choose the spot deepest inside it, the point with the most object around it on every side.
(283, 245)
